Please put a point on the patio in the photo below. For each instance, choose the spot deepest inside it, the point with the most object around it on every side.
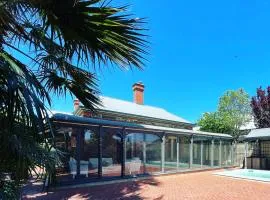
(197, 185)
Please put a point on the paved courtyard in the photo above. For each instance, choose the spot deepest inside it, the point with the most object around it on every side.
(191, 186)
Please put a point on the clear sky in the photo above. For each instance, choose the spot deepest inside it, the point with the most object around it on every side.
(199, 49)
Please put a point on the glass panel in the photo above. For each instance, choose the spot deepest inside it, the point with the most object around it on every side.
(216, 153)
(206, 153)
(111, 153)
(196, 152)
(234, 154)
(134, 153)
(184, 152)
(239, 154)
(170, 153)
(230, 157)
(89, 154)
(67, 140)
(226, 153)
(153, 153)
(223, 153)
(265, 149)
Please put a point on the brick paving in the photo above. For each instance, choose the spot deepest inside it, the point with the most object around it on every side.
(189, 186)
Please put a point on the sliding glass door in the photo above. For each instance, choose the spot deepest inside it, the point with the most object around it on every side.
(184, 154)
(111, 153)
(89, 153)
(153, 153)
(135, 150)
(171, 153)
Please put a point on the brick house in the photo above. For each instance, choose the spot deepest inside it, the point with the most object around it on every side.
(124, 139)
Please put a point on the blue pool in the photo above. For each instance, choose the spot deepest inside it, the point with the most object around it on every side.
(259, 175)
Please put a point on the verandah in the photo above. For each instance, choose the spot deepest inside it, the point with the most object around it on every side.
(98, 148)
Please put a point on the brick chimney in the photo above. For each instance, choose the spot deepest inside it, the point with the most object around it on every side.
(76, 104)
(138, 89)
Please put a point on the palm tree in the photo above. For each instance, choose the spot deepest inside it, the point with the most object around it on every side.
(64, 41)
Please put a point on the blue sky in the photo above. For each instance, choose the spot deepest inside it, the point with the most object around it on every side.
(199, 49)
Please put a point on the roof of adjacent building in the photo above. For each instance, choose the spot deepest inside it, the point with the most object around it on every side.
(109, 123)
(260, 133)
(248, 126)
(126, 107)
(53, 112)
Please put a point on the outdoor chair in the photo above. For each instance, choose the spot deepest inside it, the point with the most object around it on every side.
(84, 167)
(93, 162)
(133, 167)
(108, 161)
(105, 162)
(73, 167)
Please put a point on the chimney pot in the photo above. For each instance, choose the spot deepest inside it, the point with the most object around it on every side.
(138, 93)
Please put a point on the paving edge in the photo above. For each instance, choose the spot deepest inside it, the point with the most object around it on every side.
(93, 184)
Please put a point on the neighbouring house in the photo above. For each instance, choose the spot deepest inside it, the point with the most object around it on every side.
(257, 149)
(247, 127)
(135, 112)
(125, 139)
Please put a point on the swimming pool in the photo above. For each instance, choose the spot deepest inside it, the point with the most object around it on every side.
(259, 175)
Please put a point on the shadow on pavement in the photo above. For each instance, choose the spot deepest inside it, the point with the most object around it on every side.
(126, 190)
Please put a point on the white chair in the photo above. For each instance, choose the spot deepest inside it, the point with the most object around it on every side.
(109, 161)
(134, 166)
(135, 158)
(84, 167)
(73, 167)
(93, 162)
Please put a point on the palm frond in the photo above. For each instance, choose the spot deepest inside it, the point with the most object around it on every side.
(23, 118)
(62, 77)
(63, 38)
(93, 33)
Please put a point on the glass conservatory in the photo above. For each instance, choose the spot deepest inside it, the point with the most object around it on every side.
(96, 149)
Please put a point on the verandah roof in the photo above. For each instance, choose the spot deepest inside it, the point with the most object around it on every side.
(72, 119)
(261, 133)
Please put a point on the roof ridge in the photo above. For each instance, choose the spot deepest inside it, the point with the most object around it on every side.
(133, 102)
(170, 116)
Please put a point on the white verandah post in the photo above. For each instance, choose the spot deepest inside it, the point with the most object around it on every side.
(225, 155)
(201, 153)
(163, 154)
(144, 153)
(177, 152)
(191, 152)
(172, 148)
(212, 153)
(246, 152)
(232, 154)
(220, 156)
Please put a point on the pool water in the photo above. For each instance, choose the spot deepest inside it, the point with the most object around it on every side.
(259, 175)
(174, 164)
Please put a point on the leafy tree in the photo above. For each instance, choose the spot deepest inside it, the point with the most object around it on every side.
(53, 47)
(233, 112)
(261, 108)
(235, 104)
(214, 122)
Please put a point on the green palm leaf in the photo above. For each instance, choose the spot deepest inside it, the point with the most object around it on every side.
(64, 40)
(93, 33)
